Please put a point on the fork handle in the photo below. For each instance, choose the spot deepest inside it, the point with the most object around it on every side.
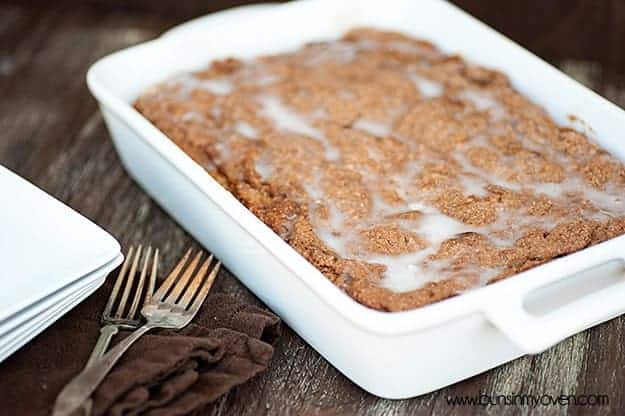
(84, 384)
(106, 334)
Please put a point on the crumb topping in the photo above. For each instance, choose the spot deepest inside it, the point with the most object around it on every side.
(405, 175)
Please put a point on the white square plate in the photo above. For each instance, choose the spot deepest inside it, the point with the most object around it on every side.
(26, 330)
(37, 310)
(44, 246)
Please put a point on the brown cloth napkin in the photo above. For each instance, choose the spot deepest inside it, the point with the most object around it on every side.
(164, 373)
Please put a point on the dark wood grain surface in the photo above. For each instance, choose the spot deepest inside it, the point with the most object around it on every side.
(52, 133)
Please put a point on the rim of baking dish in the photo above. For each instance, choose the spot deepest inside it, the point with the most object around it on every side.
(381, 322)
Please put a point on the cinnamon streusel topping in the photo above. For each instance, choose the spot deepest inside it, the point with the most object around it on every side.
(404, 175)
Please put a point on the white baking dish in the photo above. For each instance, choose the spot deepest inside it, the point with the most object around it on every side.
(394, 355)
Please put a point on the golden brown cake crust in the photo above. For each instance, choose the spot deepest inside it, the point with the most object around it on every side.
(405, 175)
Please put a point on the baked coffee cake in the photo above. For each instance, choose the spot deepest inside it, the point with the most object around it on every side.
(405, 175)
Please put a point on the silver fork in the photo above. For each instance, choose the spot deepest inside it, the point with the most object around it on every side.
(173, 306)
(113, 321)
(122, 319)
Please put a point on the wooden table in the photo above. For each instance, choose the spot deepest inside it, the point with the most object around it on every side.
(52, 133)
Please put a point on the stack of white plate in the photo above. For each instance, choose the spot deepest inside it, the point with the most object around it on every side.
(51, 258)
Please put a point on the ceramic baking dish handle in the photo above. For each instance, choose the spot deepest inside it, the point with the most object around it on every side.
(534, 333)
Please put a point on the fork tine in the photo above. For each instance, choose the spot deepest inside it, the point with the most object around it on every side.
(193, 286)
(169, 281)
(139, 289)
(184, 279)
(118, 283)
(206, 287)
(152, 281)
(128, 286)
